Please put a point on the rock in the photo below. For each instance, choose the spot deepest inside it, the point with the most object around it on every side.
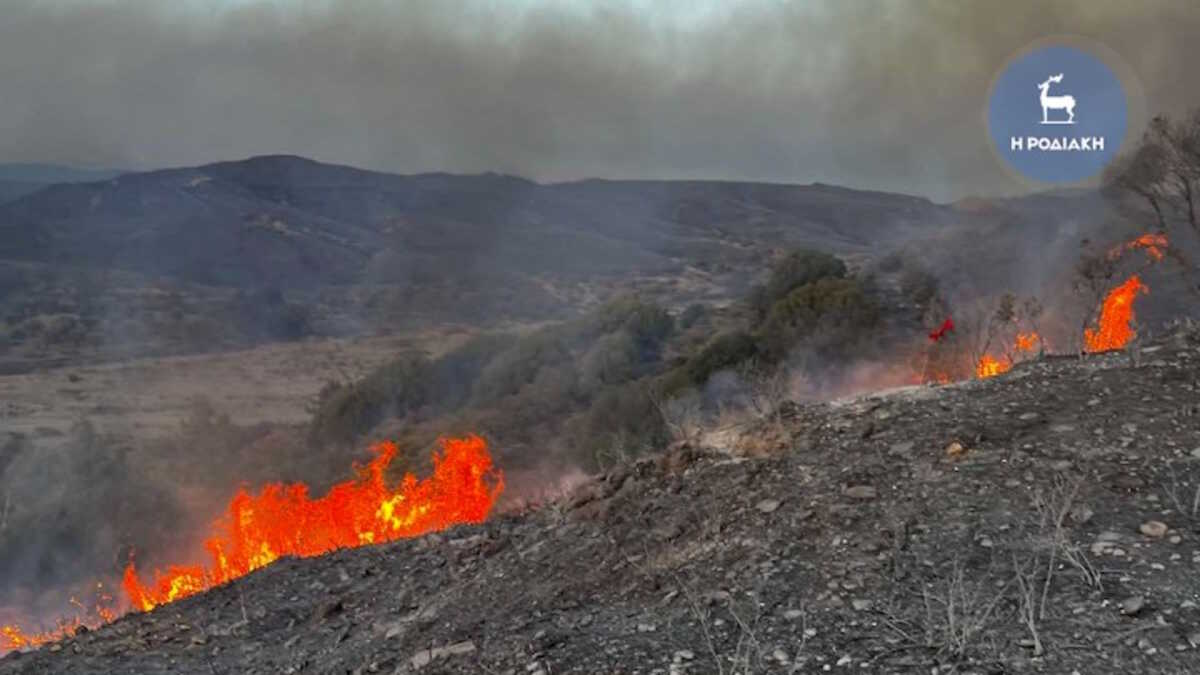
(421, 659)
(427, 656)
(684, 655)
(793, 614)
(646, 628)
(1194, 640)
(328, 609)
(767, 505)
(1195, 453)
(860, 604)
(861, 492)
(1081, 514)
(1153, 528)
(1133, 605)
(845, 660)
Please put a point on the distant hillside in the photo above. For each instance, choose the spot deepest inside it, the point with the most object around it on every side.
(289, 221)
(53, 173)
(177, 259)
(17, 180)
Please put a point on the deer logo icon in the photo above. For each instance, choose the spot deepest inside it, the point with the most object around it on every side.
(1049, 102)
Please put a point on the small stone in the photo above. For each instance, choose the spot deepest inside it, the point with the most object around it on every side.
(767, 505)
(1133, 605)
(780, 655)
(1195, 453)
(810, 633)
(1153, 528)
(646, 628)
(1194, 640)
(684, 655)
(793, 614)
(860, 604)
(421, 659)
(1175, 539)
(1081, 514)
(845, 660)
(955, 449)
(861, 492)
(1029, 416)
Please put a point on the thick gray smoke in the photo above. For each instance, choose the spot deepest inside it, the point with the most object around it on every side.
(864, 93)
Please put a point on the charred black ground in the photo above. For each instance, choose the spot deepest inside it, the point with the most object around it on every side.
(1041, 521)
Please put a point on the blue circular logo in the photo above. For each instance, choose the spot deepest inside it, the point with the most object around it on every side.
(1057, 114)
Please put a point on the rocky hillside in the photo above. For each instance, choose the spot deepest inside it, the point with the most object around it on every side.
(1047, 520)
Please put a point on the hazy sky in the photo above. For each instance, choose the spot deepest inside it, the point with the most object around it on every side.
(868, 93)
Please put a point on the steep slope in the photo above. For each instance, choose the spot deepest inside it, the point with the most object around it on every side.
(1042, 520)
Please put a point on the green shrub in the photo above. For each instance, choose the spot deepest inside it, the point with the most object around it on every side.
(724, 351)
(346, 411)
(797, 269)
(830, 317)
(517, 366)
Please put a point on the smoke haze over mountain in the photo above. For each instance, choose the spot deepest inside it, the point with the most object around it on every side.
(863, 93)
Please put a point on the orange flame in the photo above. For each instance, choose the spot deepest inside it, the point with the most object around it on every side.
(13, 637)
(991, 366)
(1027, 341)
(1114, 328)
(1153, 244)
(280, 520)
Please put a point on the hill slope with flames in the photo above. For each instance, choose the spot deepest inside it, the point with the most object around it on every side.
(1044, 519)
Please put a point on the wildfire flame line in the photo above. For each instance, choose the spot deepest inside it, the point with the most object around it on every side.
(1114, 326)
(282, 520)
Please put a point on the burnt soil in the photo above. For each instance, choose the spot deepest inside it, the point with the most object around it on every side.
(1046, 520)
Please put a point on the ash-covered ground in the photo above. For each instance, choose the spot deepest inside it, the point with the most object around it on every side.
(1047, 520)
